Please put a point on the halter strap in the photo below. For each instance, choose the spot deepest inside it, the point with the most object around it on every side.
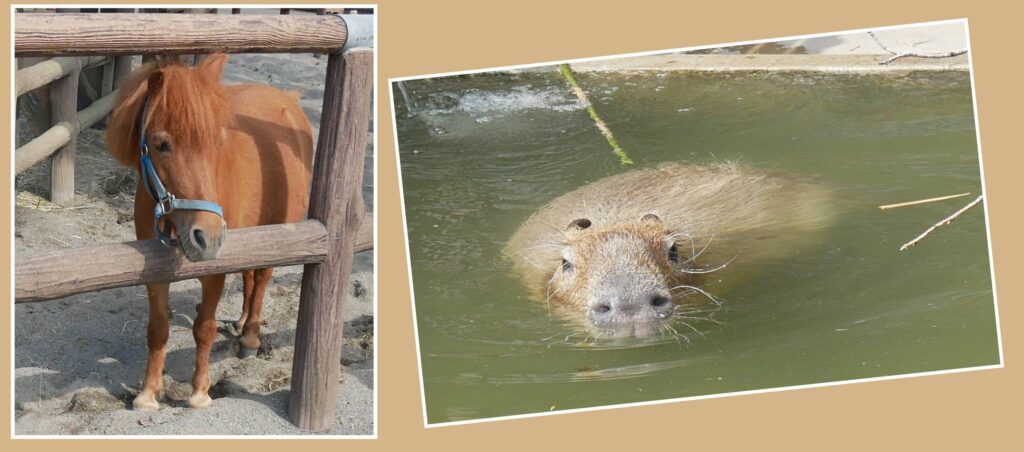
(165, 200)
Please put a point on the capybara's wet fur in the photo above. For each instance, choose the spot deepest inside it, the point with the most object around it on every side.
(621, 255)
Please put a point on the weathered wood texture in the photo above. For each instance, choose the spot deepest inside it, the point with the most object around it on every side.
(46, 275)
(45, 34)
(337, 201)
(122, 67)
(64, 102)
(108, 79)
(60, 134)
(43, 146)
(41, 74)
(53, 274)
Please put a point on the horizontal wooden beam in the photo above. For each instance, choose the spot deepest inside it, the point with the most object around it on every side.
(35, 151)
(43, 146)
(42, 73)
(50, 34)
(41, 276)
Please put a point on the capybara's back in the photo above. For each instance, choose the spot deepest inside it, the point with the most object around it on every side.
(643, 234)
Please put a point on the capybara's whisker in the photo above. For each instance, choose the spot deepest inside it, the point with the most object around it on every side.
(708, 319)
(702, 271)
(702, 250)
(695, 330)
(698, 289)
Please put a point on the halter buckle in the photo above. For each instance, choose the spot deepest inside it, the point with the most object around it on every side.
(166, 205)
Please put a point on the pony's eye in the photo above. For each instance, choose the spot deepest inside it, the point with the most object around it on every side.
(673, 254)
(566, 266)
(164, 146)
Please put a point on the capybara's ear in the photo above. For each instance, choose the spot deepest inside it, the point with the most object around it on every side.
(123, 128)
(213, 66)
(650, 218)
(579, 224)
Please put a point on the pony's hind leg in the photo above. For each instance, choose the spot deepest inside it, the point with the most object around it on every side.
(204, 331)
(156, 335)
(247, 280)
(250, 339)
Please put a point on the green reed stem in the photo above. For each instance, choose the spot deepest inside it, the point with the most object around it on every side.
(601, 125)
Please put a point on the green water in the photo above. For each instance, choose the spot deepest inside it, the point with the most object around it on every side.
(479, 154)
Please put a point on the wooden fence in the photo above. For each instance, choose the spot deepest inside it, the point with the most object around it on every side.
(324, 243)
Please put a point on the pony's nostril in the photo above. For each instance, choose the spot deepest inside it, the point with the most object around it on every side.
(602, 308)
(199, 238)
(659, 301)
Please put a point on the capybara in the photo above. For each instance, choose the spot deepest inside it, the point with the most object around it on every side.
(621, 255)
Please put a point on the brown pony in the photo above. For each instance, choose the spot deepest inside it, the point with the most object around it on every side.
(247, 148)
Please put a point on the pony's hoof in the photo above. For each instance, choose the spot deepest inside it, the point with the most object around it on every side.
(145, 401)
(250, 341)
(245, 352)
(199, 400)
(233, 328)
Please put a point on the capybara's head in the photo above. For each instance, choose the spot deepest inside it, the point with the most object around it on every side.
(186, 125)
(621, 276)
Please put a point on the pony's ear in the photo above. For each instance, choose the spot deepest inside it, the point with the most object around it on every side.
(123, 128)
(213, 66)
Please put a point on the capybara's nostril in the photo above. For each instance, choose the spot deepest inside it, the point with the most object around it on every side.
(659, 301)
(602, 308)
(199, 238)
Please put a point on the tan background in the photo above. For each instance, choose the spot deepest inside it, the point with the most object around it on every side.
(966, 411)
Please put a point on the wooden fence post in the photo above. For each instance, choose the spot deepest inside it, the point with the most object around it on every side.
(122, 67)
(336, 200)
(64, 100)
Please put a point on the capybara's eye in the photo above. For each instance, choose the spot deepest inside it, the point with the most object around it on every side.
(566, 266)
(673, 254)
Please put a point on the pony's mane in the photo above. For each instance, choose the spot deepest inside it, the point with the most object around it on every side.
(190, 104)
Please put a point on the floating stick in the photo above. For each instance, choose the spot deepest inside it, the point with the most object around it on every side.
(941, 223)
(921, 201)
(567, 73)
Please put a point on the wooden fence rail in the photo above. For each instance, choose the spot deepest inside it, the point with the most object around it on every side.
(45, 34)
(61, 133)
(46, 275)
(325, 243)
(42, 73)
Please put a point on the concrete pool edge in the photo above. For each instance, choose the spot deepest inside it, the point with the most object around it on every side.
(772, 62)
(837, 64)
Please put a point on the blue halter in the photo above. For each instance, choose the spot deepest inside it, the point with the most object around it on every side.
(165, 201)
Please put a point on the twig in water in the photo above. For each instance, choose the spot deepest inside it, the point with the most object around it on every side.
(921, 201)
(944, 222)
(567, 73)
(897, 55)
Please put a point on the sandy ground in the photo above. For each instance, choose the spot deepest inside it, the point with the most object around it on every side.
(79, 361)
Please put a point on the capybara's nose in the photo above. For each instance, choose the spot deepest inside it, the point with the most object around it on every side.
(661, 305)
(642, 307)
(199, 238)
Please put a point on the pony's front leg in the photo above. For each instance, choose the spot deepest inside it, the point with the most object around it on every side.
(250, 339)
(156, 335)
(204, 331)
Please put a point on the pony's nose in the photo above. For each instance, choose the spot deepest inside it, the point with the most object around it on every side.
(199, 238)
